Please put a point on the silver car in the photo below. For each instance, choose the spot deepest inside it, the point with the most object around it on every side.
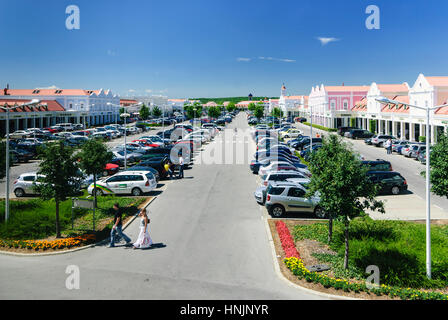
(284, 197)
(25, 184)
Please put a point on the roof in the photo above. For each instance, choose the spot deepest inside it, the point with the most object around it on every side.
(347, 88)
(397, 108)
(360, 105)
(293, 97)
(49, 92)
(443, 110)
(438, 81)
(392, 87)
(52, 105)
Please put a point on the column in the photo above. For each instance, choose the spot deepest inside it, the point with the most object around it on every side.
(411, 132)
(422, 131)
(381, 126)
(433, 130)
(402, 131)
(394, 128)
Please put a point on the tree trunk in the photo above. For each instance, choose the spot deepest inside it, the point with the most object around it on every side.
(58, 227)
(330, 228)
(94, 190)
(347, 223)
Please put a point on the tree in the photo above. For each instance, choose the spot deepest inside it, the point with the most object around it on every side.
(214, 112)
(259, 111)
(231, 107)
(122, 110)
(144, 112)
(156, 112)
(439, 167)
(93, 158)
(191, 113)
(277, 112)
(251, 107)
(341, 181)
(61, 176)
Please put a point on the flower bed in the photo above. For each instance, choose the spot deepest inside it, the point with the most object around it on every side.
(295, 264)
(46, 245)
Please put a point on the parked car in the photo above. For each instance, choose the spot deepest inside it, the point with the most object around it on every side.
(127, 182)
(342, 130)
(25, 184)
(157, 163)
(306, 141)
(378, 165)
(379, 139)
(368, 141)
(291, 133)
(358, 134)
(285, 197)
(397, 144)
(390, 182)
(416, 150)
(22, 155)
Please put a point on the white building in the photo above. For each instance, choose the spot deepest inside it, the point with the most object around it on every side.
(156, 100)
(90, 107)
(290, 105)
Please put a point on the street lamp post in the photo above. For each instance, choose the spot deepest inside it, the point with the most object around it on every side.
(387, 101)
(125, 115)
(7, 109)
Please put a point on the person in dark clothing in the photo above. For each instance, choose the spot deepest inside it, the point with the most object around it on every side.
(117, 228)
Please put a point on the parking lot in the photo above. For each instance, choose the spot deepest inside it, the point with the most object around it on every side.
(408, 206)
(33, 165)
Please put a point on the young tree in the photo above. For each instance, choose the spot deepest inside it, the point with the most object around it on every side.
(191, 113)
(156, 112)
(251, 106)
(144, 112)
(259, 111)
(93, 158)
(342, 183)
(231, 107)
(61, 176)
(439, 167)
(214, 112)
(277, 112)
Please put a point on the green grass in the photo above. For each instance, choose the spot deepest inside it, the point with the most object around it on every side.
(35, 218)
(396, 247)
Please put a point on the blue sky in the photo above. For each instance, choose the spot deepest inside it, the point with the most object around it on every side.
(194, 48)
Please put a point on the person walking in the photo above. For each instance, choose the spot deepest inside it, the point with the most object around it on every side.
(181, 167)
(117, 228)
(388, 146)
(169, 170)
(144, 240)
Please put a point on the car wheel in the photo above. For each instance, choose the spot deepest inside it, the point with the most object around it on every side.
(137, 192)
(395, 190)
(277, 211)
(105, 173)
(320, 213)
(99, 192)
(19, 193)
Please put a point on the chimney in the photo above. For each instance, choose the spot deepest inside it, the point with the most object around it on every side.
(342, 83)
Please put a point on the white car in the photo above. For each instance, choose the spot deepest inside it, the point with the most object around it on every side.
(291, 133)
(126, 182)
(154, 140)
(282, 166)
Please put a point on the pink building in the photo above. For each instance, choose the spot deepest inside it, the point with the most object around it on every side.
(331, 105)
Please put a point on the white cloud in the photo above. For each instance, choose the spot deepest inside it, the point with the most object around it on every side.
(243, 59)
(276, 59)
(325, 41)
(148, 90)
(111, 53)
(131, 90)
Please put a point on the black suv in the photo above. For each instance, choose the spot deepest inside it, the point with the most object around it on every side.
(378, 165)
(343, 130)
(390, 182)
(358, 134)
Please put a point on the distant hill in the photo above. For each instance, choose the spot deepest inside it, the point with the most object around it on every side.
(232, 99)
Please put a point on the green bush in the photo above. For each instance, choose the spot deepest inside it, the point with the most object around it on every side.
(422, 138)
(320, 127)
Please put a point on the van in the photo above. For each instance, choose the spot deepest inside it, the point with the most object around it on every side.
(127, 182)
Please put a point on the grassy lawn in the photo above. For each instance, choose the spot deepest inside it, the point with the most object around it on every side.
(35, 218)
(396, 247)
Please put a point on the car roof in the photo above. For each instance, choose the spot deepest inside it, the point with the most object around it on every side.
(287, 184)
(130, 172)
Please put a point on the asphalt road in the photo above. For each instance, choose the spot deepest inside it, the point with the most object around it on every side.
(211, 244)
(409, 168)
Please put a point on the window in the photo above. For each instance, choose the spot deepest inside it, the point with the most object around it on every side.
(275, 190)
(345, 104)
(296, 193)
(28, 178)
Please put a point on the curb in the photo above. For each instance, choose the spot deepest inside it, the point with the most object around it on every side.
(17, 254)
(291, 284)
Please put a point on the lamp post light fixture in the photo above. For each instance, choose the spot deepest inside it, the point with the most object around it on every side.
(386, 101)
(7, 108)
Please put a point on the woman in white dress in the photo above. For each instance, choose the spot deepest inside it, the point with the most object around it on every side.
(143, 240)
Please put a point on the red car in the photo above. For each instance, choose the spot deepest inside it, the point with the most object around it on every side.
(110, 169)
(51, 130)
(146, 143)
